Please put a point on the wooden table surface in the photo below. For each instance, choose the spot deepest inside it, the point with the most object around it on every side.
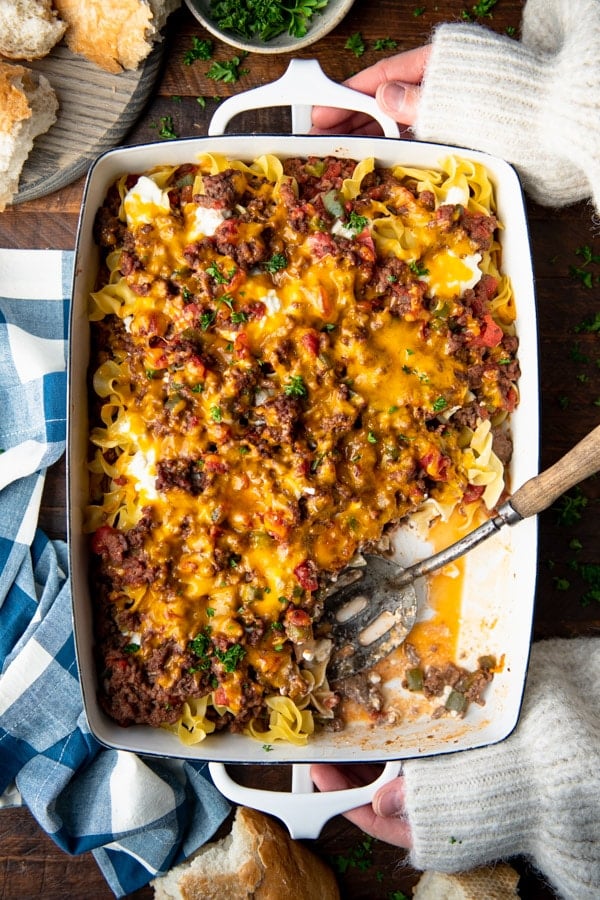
(30, 864)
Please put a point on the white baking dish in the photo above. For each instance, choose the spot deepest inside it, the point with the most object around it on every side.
(499, 581)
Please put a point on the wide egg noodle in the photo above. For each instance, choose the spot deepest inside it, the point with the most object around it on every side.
(193, 726)
(483, 466)
(287, 722)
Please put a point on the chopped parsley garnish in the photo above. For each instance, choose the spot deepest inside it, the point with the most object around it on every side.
(360, 857)
(277, 262)
(216, 414)
(590, 325)
(418, 11)
(131, 648)
(571, 506)
(238, 317)
(229, 71)
(200, 49)
(385, 44)
(227, 299)
(440, 404)
(215, 272)
(230, 657)
(265, 19)
(479, 10)
(417, 269)
(372, 437)
(206, 319)
(356, 44)
(296, 387)
(166, 128)
(200, 645)
(357, 223)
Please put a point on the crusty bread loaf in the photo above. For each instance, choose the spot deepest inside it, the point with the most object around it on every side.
(256, 860)
(115, 34)
(29, 29)
(28, 107)
(490, 882)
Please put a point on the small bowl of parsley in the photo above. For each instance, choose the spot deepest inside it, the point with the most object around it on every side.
(269, 26)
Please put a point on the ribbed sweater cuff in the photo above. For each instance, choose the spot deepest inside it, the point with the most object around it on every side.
(486, 91)
(535, 793)
(491, 816)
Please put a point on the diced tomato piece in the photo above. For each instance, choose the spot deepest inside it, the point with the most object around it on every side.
(473, 492)
(306, 573)
(212, 463)
(511, 399)
(435, 464)
(220, 696)
(310, 339)
(109, 543)
(240, 345)
(255, 310)
(490, 334)
(321, 244)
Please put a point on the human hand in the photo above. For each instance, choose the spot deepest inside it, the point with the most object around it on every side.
(383, 818)
(395, 84)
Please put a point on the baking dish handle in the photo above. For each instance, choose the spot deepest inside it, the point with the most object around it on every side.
(302, 811)
(303, 80)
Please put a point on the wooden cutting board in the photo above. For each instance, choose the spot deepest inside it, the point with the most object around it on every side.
(96, 110)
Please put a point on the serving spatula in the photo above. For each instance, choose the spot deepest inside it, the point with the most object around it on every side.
(372, 608)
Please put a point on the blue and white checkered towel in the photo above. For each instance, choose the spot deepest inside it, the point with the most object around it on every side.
(138, 816)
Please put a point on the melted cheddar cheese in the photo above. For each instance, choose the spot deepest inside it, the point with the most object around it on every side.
(288, 359)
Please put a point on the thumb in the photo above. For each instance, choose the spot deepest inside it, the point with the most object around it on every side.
(388, 801)
(399, 100)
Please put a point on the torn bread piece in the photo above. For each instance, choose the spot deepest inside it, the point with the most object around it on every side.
(28, 107)
(29, 29)
(114, 34)
(257, 860)
(497, 882)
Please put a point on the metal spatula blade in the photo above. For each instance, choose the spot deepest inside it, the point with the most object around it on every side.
(372, 608)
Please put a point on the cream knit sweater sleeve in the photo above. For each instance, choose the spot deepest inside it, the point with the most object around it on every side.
(535, 794)
(534, 102)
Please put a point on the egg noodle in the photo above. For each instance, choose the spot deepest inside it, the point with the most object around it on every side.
(289, 357)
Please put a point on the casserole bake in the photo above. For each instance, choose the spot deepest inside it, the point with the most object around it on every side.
(493, 576)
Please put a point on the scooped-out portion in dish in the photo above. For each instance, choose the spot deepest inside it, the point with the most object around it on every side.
(290, 357)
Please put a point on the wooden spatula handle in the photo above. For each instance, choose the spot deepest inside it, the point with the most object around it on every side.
(541, 491)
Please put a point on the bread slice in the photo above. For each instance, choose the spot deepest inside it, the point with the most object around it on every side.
(29, 29)
(256, 860)
(114, 34)
(28, 107)
(492, 882)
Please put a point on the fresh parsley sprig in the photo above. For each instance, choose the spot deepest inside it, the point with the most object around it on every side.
(229, 71)
(356, 44)
(200, 49)
(479, 10)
